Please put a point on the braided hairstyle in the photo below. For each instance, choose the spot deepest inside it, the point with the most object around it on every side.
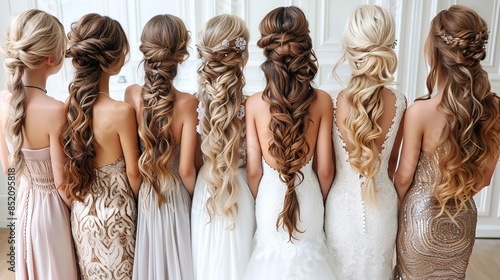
(34, 36)
(289, 69)
(471, 136)
(96, 44)
(222, 47)
(367, 45)
(164, 43)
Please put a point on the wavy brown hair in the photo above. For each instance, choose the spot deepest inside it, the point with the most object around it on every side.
(367, 46)
(289, 69)
(471, 136)
(164, 43)
(96, 43)
(33, 36)
(221, 83)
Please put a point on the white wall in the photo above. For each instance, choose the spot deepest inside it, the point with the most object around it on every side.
(326, 19)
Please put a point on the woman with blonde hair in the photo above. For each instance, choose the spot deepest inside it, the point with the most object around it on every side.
(30, 150)
(223, 220)
(361, 209)
(167, 131)
(100, 144)
(450, 153)
(289, 158)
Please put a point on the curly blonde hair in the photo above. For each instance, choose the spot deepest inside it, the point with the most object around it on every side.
(33, 36)
(221, 83)
(96, 43)
(289, 69)
(164, 43)
(367, 46)
(471, 136)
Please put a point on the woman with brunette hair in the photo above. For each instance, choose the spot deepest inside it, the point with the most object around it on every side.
(450, 153)
(100, 143)
(167, 131)
(289, 154)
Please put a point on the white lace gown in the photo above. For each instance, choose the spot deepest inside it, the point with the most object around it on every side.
(274, 257)
(220, 253)
(362, 237)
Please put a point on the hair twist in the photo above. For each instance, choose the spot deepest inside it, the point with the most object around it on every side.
(289, 69)
(32, 38)
(471, 136)
(221, 83)
(367, 46)
(164, 43)
(96, 43)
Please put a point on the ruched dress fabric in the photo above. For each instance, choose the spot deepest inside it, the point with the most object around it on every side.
(163, 245)
(104, 225)
(431, 246)
(304, 258)
(44, 246)
(362, 236)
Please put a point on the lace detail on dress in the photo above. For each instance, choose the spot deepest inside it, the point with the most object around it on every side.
(362, 236)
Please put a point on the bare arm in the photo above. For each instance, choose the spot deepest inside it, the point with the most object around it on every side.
(57, 157)
(187, 168)
(254, 153)
(412, 142)
(393, 159)
(324, 158)
(127, 132)
(488, 174)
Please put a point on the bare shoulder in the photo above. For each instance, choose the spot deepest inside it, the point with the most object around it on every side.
(323, 98)
(186, 101)
(132, 93)
(5, 96)
(121, 110)
(254, 102)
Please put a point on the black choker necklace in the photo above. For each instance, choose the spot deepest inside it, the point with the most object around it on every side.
(42, 89)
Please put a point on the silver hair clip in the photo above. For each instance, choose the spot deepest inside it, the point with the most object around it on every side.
(240, 43)
(395, 43)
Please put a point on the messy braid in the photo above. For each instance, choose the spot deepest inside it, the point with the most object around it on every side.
(289, 69)
(33, 37)
(221, 83)
(95, 44)
(367, 46)
(164, 43)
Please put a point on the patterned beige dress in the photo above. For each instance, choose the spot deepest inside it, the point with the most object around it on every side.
(431, 247)
(103, 225)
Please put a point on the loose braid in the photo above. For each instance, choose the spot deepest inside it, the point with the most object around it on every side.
(96, 43)
(33, 37)
(164, 43)
(289, 69)
(471, 136)
(367, 46)
(221, 83)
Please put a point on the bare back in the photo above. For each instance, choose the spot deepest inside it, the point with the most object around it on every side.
(385, 121)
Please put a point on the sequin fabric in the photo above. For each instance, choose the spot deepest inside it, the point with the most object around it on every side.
(428, 246)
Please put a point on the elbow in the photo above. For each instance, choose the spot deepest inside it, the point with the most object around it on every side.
(187, 173)
(325, 174)
(253, 175)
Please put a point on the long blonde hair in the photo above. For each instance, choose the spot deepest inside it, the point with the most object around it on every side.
(221, 83)
(471, 136)
(164, 43)
(34, 36)
(367, 44)
(289, 68)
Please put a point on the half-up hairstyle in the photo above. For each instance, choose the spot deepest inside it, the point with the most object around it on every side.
(289, 69)
(34, 35)
(471, 136)
(222, 48)
(96, 44)
(367, 45)
(164, 43)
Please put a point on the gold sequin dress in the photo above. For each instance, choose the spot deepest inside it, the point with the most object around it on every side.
(104, 225)
(430, 247)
